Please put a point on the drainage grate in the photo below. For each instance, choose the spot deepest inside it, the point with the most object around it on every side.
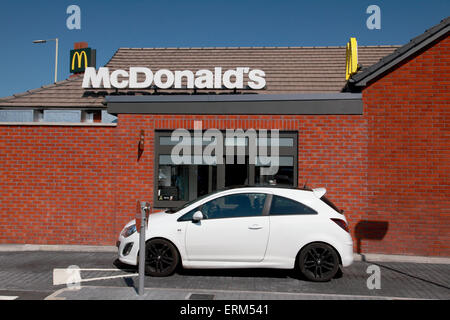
(200, 296)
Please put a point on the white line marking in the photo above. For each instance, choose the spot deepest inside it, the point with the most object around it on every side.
(8, 297)
(112, 277)
(105, 269)
(66, 276)
(96, 269)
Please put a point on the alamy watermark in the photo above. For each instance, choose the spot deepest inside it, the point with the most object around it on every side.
(74, 20)
(374, 280)
(374, 20)
(213, 152)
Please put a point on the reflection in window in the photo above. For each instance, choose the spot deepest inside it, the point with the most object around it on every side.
(206, 179)
(173, 183)
(284, 176)
(185, 182)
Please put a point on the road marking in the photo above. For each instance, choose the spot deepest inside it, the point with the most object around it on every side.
(8, 297)
(111, 277)
(94, 269)
(70, 276)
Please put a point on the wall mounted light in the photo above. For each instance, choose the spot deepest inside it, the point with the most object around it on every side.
(142, 140)
(141, 144)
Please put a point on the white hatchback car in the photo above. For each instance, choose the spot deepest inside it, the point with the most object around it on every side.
(248, 227)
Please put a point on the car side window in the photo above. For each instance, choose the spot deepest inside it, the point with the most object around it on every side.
(285, 206)
(235, 205)
(188, 216)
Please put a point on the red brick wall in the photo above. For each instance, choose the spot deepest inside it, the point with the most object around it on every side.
(79, 185)
(408, 155)
(56, 184)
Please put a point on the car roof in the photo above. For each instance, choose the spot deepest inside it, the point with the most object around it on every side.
(278, 186)
(274, 189)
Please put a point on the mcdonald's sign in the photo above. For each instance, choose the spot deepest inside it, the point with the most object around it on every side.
(80, 59)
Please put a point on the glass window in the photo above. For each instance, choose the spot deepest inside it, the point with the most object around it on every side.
(281, 142)
(285, 206)
(169, 141)
(236, 205)
(16, 115)
(62, 115)
(284, 175)
(196, 175)
(108, 118)
(188, 216)
(176, 182)
(236, 141)
(173, 183)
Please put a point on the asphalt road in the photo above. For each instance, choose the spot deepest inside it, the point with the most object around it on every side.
(29, 275)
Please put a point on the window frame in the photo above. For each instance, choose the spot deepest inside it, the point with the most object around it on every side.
(220, 178)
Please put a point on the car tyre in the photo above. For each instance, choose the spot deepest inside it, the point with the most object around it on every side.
(161, 258)
(318, 262)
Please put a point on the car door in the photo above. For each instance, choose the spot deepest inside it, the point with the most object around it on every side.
(234, 229)
(291, 223)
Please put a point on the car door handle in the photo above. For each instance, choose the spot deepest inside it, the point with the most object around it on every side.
(255, 227)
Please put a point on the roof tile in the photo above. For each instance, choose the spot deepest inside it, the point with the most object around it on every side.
(288, 70)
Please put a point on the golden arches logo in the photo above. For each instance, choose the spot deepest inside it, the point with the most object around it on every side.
(79, 56)
(351, 58)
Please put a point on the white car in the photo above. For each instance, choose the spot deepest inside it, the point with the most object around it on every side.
(248, 227)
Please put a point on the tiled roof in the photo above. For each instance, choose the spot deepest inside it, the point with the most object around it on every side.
(288, 70)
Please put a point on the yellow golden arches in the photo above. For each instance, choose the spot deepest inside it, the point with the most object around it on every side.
(351, 58)
(79, 56)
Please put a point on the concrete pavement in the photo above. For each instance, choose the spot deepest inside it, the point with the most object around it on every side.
(28, 272)
(121, 293)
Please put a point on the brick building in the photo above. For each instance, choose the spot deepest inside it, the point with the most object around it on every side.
(71, 170)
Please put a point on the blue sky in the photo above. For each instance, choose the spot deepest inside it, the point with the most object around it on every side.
(109, 24)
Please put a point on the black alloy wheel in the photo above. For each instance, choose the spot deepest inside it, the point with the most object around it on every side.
(318, 262)
(161, 258)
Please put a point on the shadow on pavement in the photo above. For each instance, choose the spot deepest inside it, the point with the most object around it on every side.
(263, 273)
(130, 269)
(124, 267)
(244, 273)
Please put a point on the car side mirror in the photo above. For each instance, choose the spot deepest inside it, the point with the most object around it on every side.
(198, 216)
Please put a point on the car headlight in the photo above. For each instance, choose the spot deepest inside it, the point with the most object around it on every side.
(128, 231)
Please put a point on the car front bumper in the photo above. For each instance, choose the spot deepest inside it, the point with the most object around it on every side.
(131, 257)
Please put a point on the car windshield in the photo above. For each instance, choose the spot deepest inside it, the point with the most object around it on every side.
(173, 210)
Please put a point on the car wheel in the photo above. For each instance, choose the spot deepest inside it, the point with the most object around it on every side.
(161, 258)
(318, 262)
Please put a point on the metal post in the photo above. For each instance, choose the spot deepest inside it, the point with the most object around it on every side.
(142, 247)
(56, 61)
(56, 53)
